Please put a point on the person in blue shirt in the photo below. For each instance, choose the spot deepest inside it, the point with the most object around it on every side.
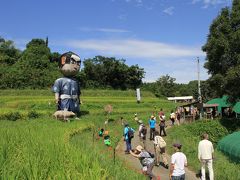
(127, 139)
(152, 124)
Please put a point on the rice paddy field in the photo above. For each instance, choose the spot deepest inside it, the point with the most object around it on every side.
(34, 145)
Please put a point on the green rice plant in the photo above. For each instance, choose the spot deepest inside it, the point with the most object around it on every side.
(49, 149)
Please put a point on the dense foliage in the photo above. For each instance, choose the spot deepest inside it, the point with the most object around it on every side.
(35, 67)
(110, 72)
(223, 52)
(166, 86)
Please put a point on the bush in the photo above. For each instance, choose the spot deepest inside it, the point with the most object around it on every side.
(33, 115)
(12, 116)
(232, 124)
(215, 130)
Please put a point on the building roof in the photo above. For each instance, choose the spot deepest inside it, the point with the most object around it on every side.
(210, 105)
(180, 98)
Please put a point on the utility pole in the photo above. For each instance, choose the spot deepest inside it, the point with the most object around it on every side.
(199, 90)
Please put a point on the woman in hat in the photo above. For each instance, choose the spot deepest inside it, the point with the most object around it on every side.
(146, 160)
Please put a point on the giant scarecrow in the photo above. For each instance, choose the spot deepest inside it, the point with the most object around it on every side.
(67, 88)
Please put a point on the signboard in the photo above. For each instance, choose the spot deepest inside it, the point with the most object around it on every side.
(138, 95)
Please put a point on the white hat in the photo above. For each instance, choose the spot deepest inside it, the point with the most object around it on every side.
(139, 148)
(140, 121)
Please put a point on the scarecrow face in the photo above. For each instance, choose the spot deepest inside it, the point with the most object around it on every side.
(70, 64)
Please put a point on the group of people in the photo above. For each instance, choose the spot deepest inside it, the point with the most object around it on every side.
(178, 160)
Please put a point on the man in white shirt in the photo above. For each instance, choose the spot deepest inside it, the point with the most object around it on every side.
(205, 156)
(178, 162)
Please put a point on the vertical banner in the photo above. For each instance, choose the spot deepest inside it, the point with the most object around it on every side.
(138, 95)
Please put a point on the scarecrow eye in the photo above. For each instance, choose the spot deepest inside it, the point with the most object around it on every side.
(72, 61)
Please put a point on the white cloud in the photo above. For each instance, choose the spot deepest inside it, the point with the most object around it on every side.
(207, 3)
(108, 30)
(184, 70)
(156, 58)
(169, 10)
(135, 48)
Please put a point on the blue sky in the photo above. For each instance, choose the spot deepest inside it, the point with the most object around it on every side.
(161, 36)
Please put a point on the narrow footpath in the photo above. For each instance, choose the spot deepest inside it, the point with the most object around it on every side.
(133, 163)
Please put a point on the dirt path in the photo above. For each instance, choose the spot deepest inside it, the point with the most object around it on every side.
(133, 163)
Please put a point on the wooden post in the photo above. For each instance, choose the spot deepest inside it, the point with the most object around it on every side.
(93, 136)
(114, 154)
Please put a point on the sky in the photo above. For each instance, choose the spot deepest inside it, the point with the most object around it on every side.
(161, 36)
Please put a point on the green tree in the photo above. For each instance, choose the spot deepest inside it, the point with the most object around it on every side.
(223, 52)
(102, 72)
(165, 86)
(8, 53)
(34, 70)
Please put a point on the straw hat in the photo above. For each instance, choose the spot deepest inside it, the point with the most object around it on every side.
(140, 121)
(139, 148)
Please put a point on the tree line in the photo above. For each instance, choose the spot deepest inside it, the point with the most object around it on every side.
(36, 67)
(33, 68)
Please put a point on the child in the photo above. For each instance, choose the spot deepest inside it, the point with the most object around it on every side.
(107, 140)
(101, 132)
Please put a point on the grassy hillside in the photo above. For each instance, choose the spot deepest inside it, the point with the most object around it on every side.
(34, 145)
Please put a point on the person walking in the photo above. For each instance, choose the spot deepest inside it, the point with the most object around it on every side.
(128, 135)
(152, 124)
(205, 156)
(162, 125)
(172, 117)
(146, 161)
(142, 133)
(160, 149)
(135, 117)
(178, 163)
(160, 113)
(178, 117)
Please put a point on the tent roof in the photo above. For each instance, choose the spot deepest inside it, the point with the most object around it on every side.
(222, 102)
(236, 108)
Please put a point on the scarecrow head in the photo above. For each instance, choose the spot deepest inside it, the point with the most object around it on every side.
(69, 64)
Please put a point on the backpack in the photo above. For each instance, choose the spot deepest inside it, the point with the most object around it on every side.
(147, 158)
(151, 154)
(130, 133)
(144, 130)
(160, 142)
